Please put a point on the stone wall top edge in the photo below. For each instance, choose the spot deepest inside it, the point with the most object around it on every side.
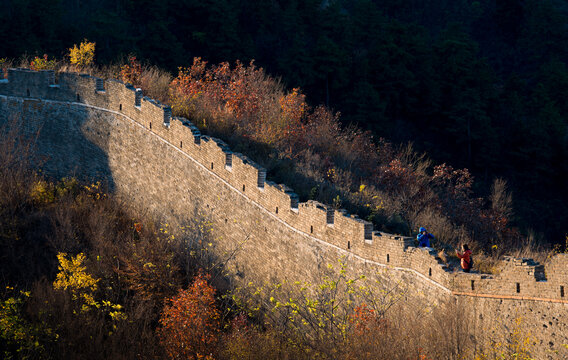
(315, 204)
(22, 70)
(14, 74)
(220, 144)
(248, 161)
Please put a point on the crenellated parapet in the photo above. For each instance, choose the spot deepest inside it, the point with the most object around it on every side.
(518, 278)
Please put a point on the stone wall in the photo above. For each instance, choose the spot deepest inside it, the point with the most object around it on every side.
(105, 129)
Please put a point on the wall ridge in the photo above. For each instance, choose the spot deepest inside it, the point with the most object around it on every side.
(519, 279)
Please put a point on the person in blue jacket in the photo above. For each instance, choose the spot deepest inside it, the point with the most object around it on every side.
(424, 237)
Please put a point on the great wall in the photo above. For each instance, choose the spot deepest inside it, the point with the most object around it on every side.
(108, 130)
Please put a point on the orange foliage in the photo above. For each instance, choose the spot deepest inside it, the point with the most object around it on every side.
(242, 99)
(131, 73)
(237, 91)
(421, 356)
(190, 322)
(293, 105)
(364, 320)
(361, 317)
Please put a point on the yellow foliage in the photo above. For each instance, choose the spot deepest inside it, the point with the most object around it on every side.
(72, 274)
(42, 192)
(518, 346)
(65, 186)
(93, 191)
(17, 332)
(3, 62)
(82, 55)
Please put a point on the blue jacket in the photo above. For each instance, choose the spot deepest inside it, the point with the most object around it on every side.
(424, 239)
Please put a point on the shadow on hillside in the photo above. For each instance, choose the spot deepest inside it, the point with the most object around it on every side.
(67, 141)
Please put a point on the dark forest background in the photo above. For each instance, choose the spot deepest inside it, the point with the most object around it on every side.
(475, 84)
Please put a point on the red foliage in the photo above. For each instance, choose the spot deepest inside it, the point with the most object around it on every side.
(396, 176)
(190, 322)
(403, 181)
(131, 73)
(240, 91)
(454, 188)
(42, 63)
(458, 182)
(363, 319)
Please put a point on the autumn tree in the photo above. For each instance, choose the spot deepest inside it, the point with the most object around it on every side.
(189, 325)
(82, 55)
(73, 277)
(131, 73)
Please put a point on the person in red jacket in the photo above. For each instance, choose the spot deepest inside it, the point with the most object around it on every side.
(465, 256)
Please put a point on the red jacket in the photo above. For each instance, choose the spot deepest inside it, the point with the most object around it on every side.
(465, 259)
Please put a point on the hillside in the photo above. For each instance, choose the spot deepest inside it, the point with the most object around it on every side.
(479, 85)
(395, 188)
(163, 166)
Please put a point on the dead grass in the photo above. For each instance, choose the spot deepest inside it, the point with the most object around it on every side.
(155, 82)
(487, 264)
